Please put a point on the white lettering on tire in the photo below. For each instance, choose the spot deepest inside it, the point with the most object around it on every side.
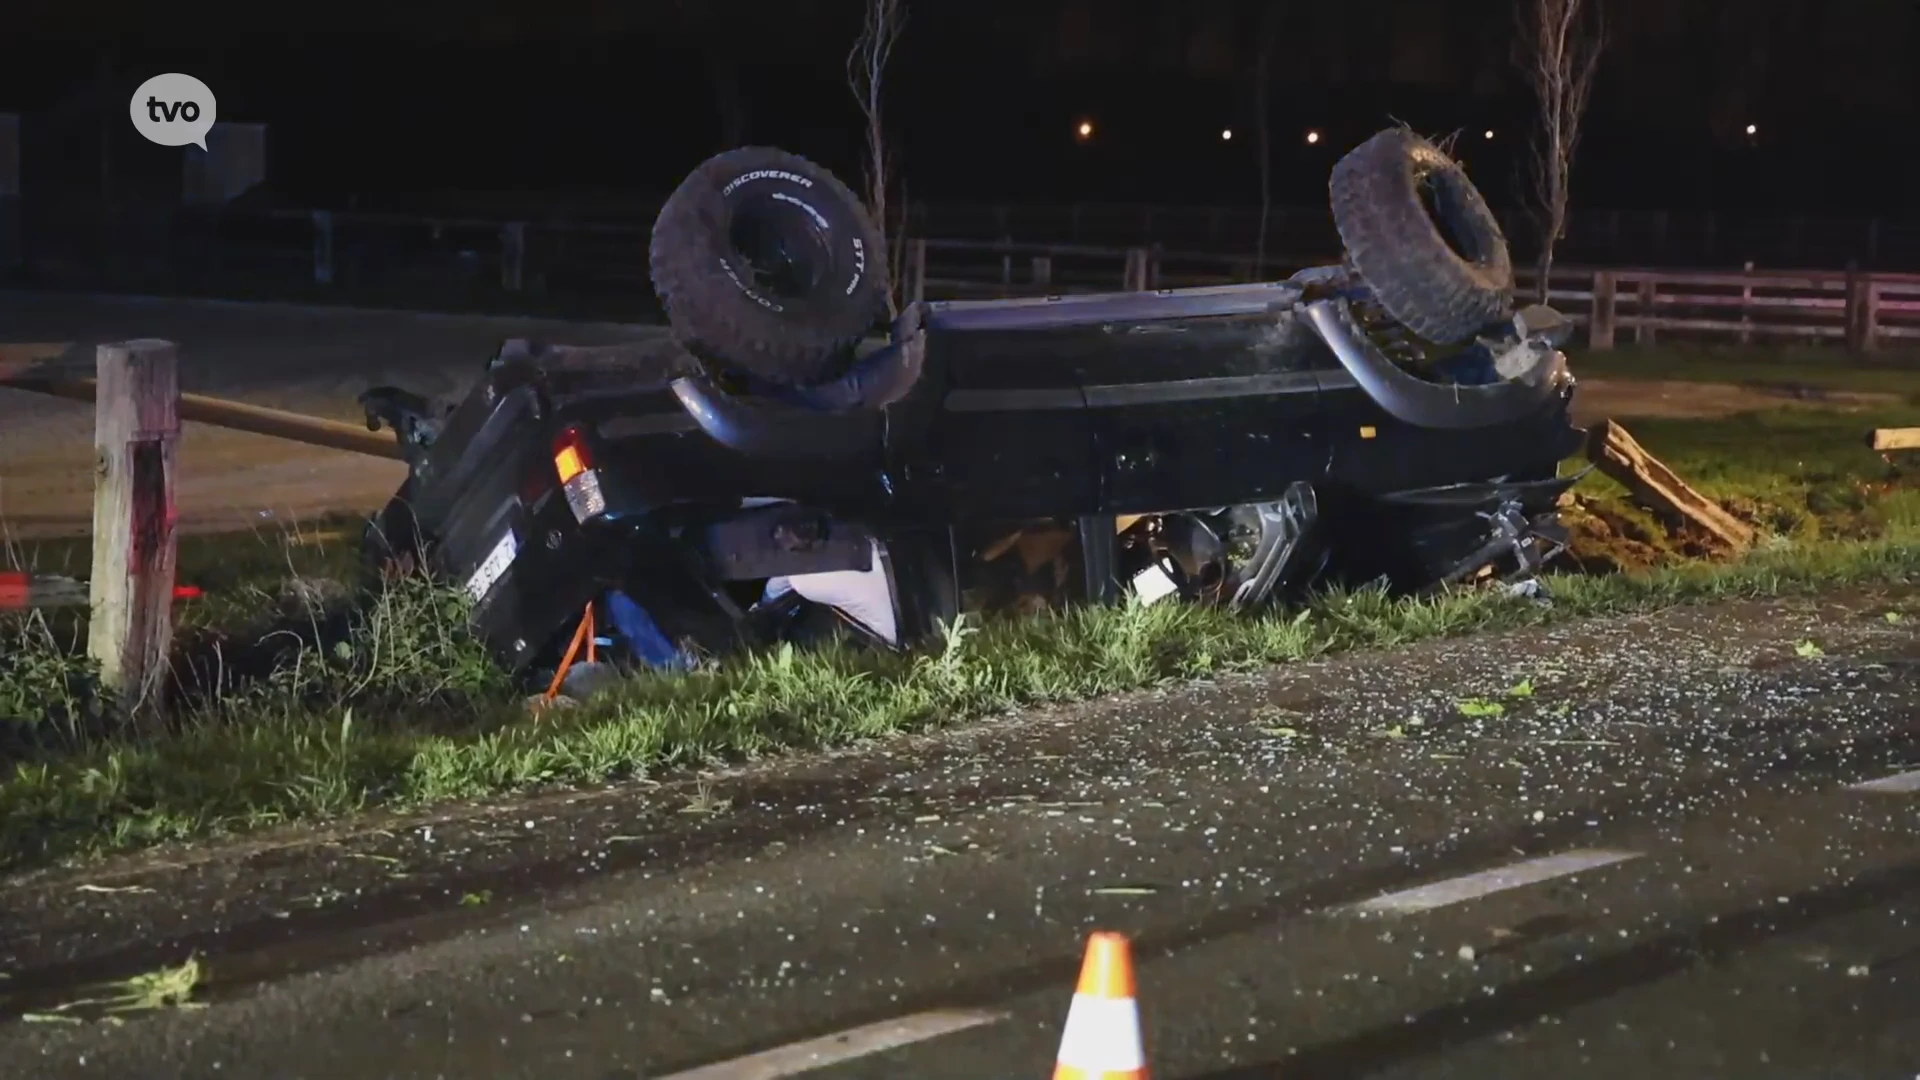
(859, 266)
(748, 291)
(819, 219)
(765, 174)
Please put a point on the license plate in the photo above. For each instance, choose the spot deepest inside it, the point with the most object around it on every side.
(496, 563)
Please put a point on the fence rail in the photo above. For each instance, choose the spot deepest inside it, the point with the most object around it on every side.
(399, 255)
(1862, 310)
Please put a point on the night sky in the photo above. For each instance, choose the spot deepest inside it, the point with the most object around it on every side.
(579, 96)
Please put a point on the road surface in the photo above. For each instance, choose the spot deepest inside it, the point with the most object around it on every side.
(1685, 845)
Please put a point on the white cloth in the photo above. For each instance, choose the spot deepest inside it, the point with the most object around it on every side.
(865, 596)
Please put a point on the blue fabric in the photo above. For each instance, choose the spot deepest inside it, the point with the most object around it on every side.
(642, 635)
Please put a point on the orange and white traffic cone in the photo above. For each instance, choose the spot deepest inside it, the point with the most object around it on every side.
(1102, 1038)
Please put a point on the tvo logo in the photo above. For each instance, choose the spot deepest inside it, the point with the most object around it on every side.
(173, 110)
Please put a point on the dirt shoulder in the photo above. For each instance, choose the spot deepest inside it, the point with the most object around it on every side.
(1600, 398)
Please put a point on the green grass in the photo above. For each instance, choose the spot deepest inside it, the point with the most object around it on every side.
(404, 711)
(1803, 474)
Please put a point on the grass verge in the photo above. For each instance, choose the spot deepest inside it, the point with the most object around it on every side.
(400, 710)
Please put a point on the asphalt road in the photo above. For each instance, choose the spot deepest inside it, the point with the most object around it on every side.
(1658, 863)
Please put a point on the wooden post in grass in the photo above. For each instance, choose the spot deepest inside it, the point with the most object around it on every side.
(1134, 277)
(1618, 455)
(136, 426)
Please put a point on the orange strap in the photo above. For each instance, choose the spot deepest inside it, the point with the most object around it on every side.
(583, 633)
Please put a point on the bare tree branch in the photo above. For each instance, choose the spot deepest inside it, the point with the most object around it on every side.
(1559, 52)
(866, 70)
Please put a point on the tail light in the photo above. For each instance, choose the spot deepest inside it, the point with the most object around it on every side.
(573, 463)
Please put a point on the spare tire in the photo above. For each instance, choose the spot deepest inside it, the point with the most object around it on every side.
(767, 265)
(1420, 235)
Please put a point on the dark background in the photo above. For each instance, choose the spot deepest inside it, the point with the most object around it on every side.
(398, 102)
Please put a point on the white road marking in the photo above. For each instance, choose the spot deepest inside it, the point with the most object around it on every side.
(803, 1057)
(1904, 783)
(1486, 882)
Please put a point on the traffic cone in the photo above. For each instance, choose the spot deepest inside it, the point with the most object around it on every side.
(1102, 1038)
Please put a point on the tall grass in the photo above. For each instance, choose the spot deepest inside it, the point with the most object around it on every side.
(325, 736)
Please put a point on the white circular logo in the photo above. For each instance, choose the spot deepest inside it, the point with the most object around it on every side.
(173, 110)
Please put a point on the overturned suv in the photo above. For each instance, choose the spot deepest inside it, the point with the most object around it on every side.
(774, 469)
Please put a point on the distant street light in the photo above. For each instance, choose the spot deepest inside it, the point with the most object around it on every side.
(1226, 134)
(1313, 138)
(1753, 129)
(1489, 133)
(1084, 131)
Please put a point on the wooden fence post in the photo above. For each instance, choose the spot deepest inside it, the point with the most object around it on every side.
(1600, 317)
(1643, 329)
(1870, 316)
(916, 284)
(1134, 277)
(136, 426)
(513, 255)
(1746, 304)
(1043, 270)
(1862, 300)
(323, 247)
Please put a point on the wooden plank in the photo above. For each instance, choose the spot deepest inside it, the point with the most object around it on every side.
(1619, 456)
(1730, 327)
(1899, 438)
(235, 415)
(136, 429)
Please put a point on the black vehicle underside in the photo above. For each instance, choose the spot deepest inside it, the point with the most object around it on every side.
(770, 472)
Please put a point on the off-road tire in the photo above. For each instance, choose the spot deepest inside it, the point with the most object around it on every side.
(757, 198)
(1441, 269)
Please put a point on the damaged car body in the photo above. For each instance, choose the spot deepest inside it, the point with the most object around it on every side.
(765, 474)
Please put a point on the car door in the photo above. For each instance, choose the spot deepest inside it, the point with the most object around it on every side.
(1201, 413)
